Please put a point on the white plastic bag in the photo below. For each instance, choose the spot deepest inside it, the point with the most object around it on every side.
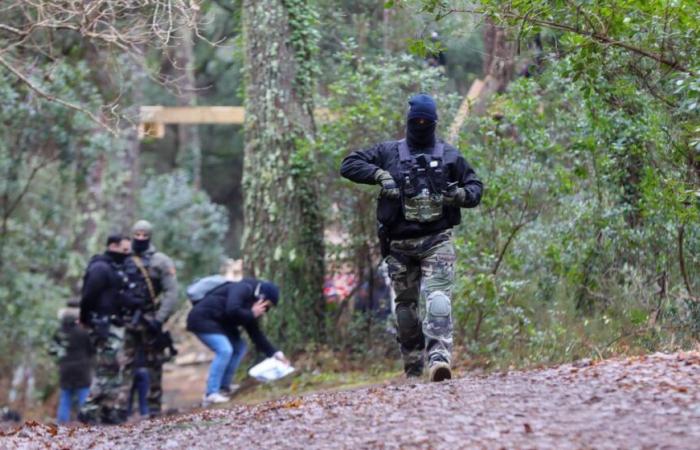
(270, 369)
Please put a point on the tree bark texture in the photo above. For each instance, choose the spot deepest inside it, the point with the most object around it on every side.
(499, 55)
(283, 233)
(189, 148)
(499, 63)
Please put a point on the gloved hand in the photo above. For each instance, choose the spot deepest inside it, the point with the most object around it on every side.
(154, 326)
(453, 195)
(389, 187)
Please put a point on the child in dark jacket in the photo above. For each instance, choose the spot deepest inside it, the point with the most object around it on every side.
(73, 349)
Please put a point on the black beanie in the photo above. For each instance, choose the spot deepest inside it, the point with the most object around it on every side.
(270, 291)
(422, 106)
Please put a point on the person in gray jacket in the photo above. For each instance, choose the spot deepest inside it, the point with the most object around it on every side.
(153, 283)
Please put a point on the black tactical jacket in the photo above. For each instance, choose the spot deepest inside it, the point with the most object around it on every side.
(226, 308)
(103, 287)
(360, 166)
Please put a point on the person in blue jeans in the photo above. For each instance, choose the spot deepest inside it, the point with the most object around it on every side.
(216, 320)
(140, 385)
(72, 348)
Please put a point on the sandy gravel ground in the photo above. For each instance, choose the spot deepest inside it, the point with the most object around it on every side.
(641, 402)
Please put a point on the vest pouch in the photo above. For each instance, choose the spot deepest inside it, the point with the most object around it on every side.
(424, 207)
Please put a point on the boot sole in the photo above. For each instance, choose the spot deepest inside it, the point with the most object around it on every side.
(441, 374)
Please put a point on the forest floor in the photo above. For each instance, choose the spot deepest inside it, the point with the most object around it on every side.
(640, 402)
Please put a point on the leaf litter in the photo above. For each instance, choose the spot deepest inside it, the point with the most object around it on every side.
(639, 402)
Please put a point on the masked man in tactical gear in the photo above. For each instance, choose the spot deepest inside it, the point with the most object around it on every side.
(104, 294)
(425, 182)
(153, 282)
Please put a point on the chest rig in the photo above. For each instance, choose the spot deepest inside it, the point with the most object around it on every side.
(141, 284)
(422, 181)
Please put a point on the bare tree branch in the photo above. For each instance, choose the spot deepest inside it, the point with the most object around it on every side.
(596, 36)
(53, 98)
(120, 27)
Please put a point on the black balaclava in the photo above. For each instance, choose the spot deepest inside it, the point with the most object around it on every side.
(421, 106)
(117, 257)
(140, 245)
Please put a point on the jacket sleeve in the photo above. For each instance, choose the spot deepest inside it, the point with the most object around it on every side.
(259, 339)
(169, 302)
(96, 281)
(361, 165)
(471, 184)
(57, 346)
(236, 310)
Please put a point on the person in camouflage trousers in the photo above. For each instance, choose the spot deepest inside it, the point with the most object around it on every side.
(153, 282)
(102, 299)
(424, 184)
(430, 261)
(109, 390)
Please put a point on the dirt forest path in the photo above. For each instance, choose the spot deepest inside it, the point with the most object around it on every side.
(641, 402)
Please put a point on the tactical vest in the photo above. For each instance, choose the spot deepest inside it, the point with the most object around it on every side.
(422, 182)
(138, 286)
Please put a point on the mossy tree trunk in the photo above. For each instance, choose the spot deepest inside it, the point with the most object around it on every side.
(283, 236)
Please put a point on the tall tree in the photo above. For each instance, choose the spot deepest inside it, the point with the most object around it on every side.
(189, 149)
(283, 237)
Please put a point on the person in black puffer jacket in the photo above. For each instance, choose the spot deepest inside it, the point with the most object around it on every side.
(216, 319)
(104, 296)
(75, 355)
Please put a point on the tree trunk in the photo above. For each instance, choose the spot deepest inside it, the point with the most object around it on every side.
(283, 235)
(189, 148)
(499, 63)
(499, 55)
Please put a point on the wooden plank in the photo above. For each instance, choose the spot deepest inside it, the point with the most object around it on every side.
(151, 130)
(193, 114)
(206, 114)
(474, 92)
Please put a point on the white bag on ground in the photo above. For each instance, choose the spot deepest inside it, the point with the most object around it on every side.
(270, 369)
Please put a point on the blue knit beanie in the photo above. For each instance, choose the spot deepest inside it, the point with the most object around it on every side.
(422, 106)
(270, 291)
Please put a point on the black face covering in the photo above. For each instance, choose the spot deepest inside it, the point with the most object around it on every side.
(117, 257)
(420, 136)
(140, 245)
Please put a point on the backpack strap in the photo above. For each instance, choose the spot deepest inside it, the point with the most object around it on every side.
(404, 152)
(439, 150)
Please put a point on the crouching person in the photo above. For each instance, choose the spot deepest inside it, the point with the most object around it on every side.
(216, 320)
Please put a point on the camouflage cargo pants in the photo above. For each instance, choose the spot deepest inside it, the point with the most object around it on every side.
(138, 339)
(422, 274)
(109, 390)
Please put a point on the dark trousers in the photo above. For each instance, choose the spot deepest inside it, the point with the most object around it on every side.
(139, 387)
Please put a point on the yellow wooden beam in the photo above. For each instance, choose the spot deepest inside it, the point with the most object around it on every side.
(154, 118)
(193, 114)
(474, 93)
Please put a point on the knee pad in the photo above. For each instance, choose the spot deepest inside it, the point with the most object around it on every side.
(439, 305)
(408, 325)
